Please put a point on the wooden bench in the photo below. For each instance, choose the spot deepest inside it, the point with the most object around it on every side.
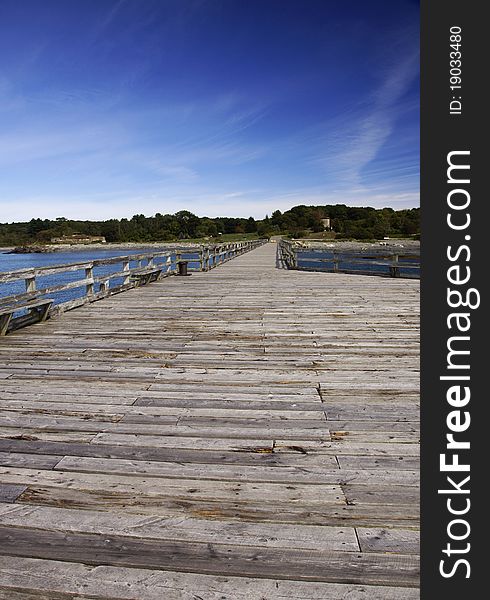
(144, 276)
(39, 308)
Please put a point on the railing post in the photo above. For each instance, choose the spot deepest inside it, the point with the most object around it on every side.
(394, 267)
(335, 262)
(104, 286)
(178, 256)
(89, 274)
(127, 277)
(30, 284)
(30, 287)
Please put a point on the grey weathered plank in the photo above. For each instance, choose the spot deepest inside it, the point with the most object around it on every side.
(267, 535)
(178, 488)
(42, 579)
(404, 541)
(335, 514)
(10, 492)
(379, 462)
(32, 461)
(252, 456)
(115, 550)
(327, 472)
(195, 413)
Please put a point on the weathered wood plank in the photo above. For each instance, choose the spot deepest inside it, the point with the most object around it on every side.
(187, 414)
(249, 456)
(289, 474)
(267, 535)
(404, 541)
(9, 492)
(27, 435)
(332, 514)
(177, 488)
(31, 461)
(113, 550)
(37, 576)
(170, 426)
(379, 462)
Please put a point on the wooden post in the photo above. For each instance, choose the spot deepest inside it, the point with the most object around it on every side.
(394, 267)
(89, 274)
(177, 260)
(30, 287)
(30, 284)
(4, 323)
(335, 262)
(104, 286)
(126, 268)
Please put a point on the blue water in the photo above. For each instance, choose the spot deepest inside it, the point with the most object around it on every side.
(359, 262)
(12, 262)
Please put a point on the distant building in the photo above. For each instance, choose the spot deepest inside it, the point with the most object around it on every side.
(77, 238)
(326, 224)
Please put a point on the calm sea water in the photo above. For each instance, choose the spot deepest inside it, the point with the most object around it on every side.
(12, 262)
(409, 263)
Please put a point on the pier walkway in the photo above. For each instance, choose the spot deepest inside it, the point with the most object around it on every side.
(248, 433)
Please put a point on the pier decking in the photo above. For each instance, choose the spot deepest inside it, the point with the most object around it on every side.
(248, 433)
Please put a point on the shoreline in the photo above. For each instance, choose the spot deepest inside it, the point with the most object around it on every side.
(391, 244)
(53, 248)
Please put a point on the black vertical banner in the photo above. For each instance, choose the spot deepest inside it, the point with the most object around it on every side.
(455, 223)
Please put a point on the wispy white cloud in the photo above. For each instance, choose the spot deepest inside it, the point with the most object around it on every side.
(108, 18)
(354, 138)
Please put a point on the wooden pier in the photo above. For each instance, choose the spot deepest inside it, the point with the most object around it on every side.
(247, 433)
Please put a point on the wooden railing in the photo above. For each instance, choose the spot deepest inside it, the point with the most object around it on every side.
(372, 262)
(129, 271)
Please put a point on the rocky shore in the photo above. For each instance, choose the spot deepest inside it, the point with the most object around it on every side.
(390, 244)
(34, 249)
(42, 249)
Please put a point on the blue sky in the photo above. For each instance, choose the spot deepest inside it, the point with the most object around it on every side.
(110, 108)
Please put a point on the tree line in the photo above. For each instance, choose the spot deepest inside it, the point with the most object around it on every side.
(347, 223)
